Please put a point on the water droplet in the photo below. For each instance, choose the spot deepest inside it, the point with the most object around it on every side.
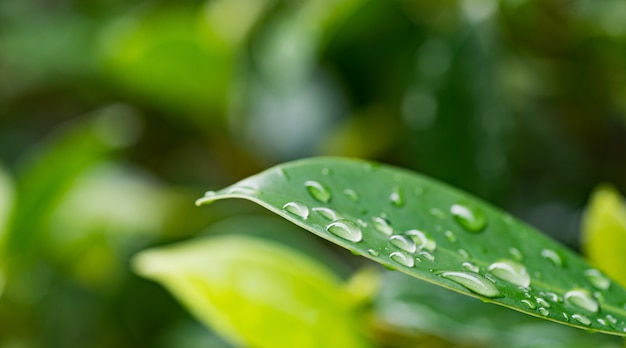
(428, 256)
(543, 311)
(471, 219)
(463, 253)
(542, 302)
(372, 252)
(403, 243)
(450, 236)
(243, 190)
(437, 213)
(552, 296)
(345, 229)
(318, 191)
(529, 304)
(597, 279)
(326, 172)
(611, 319)
(351, 194)
(517, 255)
(602, 322)
(396, 197)
(281, 173)
(470, 267)
(582, 299)
(418, 191)
(210, 194)
(383, 225)
(473, 281)
(510, 271)
(565, 316)
(422, 239)
(402, 259)
(297, 209)
(553, 256)
(581, 319)
(327, 213)
(362, 223)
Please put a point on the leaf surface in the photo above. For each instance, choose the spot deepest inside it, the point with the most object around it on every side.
(434, 232)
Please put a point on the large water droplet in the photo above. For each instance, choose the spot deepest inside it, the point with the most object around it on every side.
(297, 209)
(396, 197)
(597, 279)
(581, 319)
(471, 219)
(351, 194)
(422, 239)
(345, 229)
(510, 271)
(474, 282)
(327, 213)
(318, 191)
(402, 259)
(553, 256)
(582, 299)
(382, 225)
(402, 242)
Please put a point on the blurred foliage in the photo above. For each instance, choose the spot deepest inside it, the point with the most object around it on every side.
(115, 114)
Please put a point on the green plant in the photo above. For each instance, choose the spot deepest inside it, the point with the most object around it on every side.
(402, 220)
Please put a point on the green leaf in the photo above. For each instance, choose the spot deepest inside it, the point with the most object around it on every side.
(254, 292)
(604, 232)
(439, 234)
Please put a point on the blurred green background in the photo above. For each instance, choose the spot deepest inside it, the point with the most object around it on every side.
(116, 116)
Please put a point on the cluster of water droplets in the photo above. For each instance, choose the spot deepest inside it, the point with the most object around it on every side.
(413, 246)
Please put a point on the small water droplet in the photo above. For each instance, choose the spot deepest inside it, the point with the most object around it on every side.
(582, 299)
(529, 304)
(297, 209)
(602, 322)
(402, 259)
(517, 255)
(553, 256)
(402, 242)
(543, 311)
(542, 302)
(210, 194)
(422, 239)
(565, 316)
(362, 223)
(345, 229)
(418, 191)
(281, 173)
(372, 252)
(428, 256)
(396, 197)
(491, 278)
(351, 194)
(463, 253)
(611, 319)
(326, 171)
(318, 191)
(470, 267)
(327, 213)
(552, 296)
(437, 213)
(510, 271)
(450, 236)
(243, 190)
(581, 319)
(382, 225)
(473, 282)
(471, 219)
(597, 279)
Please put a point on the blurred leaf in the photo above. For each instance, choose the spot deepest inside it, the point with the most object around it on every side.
(604, 232)
(179, 56)
(54, 165)
(6, 205)
(254, 292)
(417, 308)
(439, 234)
